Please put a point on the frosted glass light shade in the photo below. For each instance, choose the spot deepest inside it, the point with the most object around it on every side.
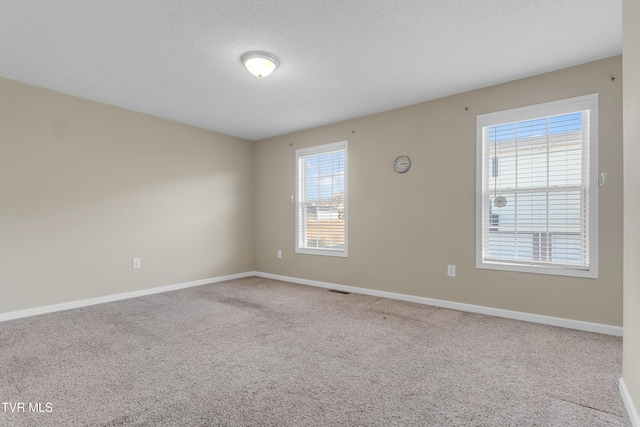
(260, 64)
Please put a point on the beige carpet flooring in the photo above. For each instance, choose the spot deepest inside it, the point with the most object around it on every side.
(259, 352)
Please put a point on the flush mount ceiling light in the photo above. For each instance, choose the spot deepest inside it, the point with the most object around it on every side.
(260, 64)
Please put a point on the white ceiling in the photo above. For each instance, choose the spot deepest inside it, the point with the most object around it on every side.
(339, 59)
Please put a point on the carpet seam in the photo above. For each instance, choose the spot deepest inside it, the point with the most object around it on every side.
(582, 405)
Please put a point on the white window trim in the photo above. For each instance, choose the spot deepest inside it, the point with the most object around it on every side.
(319, 149)
(580, 103)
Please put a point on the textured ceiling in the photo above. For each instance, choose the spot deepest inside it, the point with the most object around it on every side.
(180, 59)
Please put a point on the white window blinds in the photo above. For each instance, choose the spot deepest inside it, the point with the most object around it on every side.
(537, 206)
(321, 202)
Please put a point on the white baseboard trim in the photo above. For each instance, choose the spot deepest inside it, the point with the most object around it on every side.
(516, 315)
(628, 403)
(116, 297)
(535, 318)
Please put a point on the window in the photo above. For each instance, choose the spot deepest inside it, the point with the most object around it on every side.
(321, 202)
(537, 192)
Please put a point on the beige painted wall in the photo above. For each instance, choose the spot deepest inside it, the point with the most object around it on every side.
(631, 64)
(86, 187)
(405, 229)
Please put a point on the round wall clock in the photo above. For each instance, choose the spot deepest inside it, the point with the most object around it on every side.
(402, 164)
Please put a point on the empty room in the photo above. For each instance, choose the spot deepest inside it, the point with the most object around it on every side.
(297, 213)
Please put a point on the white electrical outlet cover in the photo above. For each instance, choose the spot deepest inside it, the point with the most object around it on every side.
(451, 270)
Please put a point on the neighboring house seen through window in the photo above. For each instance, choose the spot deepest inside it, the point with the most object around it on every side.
(321, 201)
(537, 188)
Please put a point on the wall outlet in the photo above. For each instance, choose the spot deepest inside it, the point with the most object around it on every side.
(135, 263)
(279, 253)
(451, 270)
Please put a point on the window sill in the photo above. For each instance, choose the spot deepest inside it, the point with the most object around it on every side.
(323, 252)
(588, 274)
